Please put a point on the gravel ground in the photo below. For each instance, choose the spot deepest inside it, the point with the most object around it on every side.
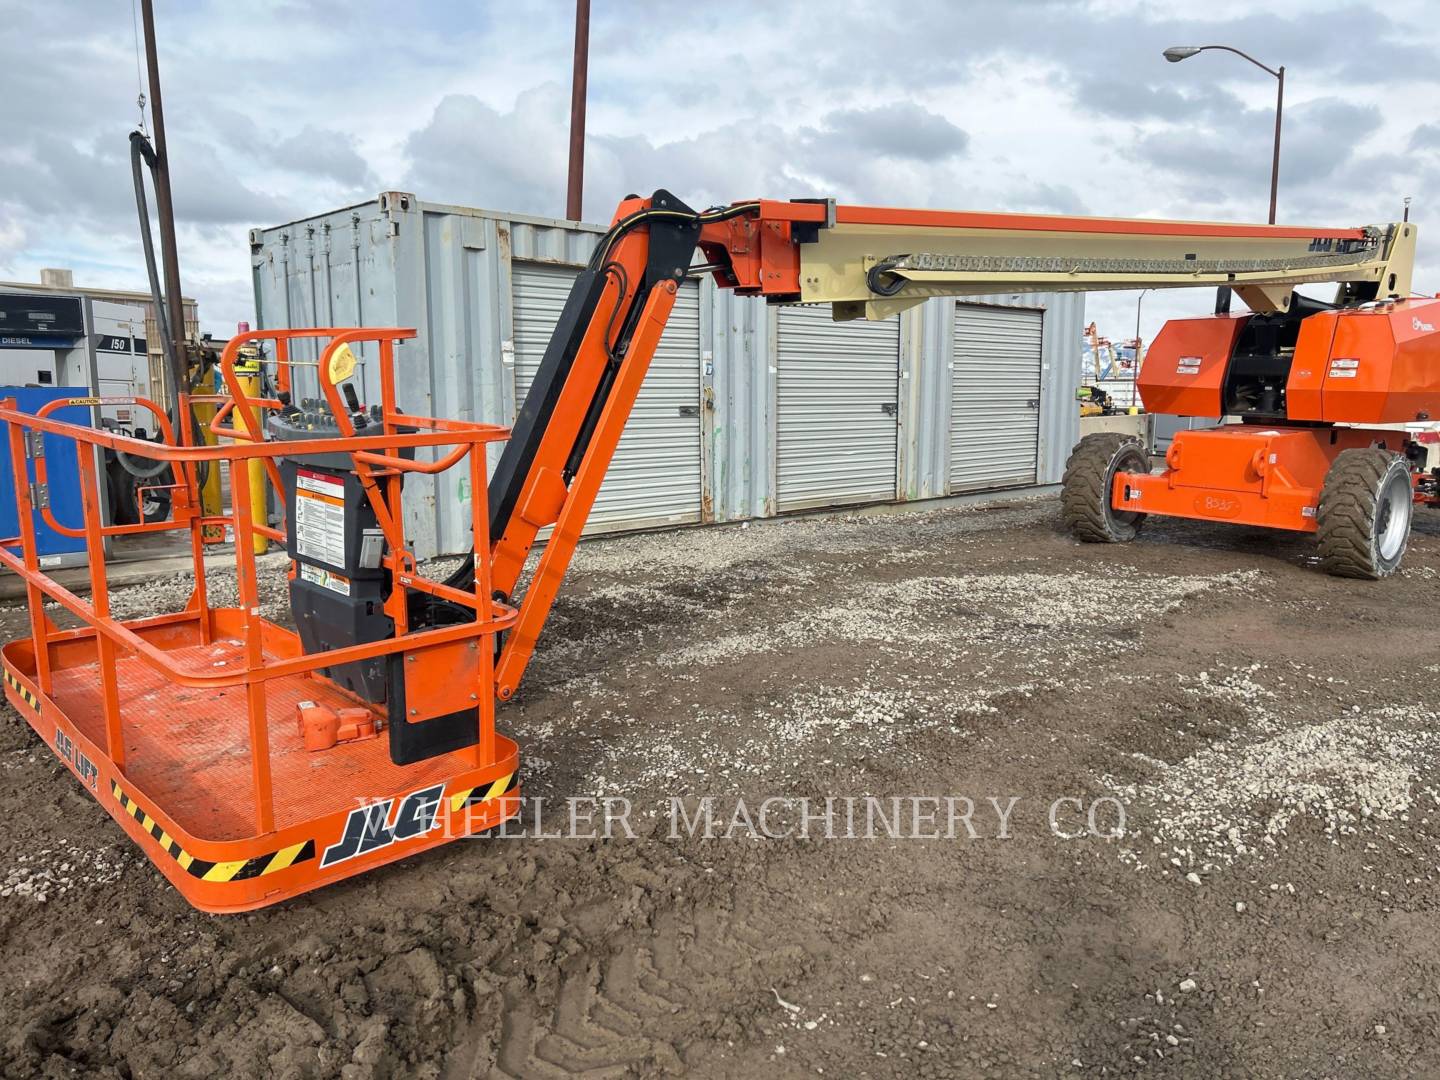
(1169, 808)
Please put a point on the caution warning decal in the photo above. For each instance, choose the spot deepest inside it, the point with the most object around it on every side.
(25, 695)
(484, 793)
(239, 870)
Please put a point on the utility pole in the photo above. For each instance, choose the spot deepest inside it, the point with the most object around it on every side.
(164, 208)
(1275, 160)
(574, 200)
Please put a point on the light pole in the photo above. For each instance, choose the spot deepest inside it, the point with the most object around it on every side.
(574, 196)
(1176, 53)
(1135, 375)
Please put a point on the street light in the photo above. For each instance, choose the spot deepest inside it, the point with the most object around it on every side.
(1176, 53)
(1135, 378)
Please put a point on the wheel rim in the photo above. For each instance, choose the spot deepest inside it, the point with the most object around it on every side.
(1392, 516)
(1128, 460)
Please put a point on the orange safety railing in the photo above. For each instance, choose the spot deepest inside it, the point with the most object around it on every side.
(162, 422)
(377, 462)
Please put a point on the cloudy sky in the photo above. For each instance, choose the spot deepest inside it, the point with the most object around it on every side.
(280, 110)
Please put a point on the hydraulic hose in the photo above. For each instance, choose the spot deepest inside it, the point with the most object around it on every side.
(142, 151)
(463, 576)
(881, 281)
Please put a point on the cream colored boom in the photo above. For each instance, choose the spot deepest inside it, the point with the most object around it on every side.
(852, 265)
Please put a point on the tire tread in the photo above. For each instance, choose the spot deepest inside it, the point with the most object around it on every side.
(1345, 517)
(1084, 495)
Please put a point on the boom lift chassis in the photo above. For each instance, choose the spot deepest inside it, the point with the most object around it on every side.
(250, 767)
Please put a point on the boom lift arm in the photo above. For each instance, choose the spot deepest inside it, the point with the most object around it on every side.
(866, 262)
(282, 783)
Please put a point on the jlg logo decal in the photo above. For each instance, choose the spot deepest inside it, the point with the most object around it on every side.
(75, 757)
(366, 828)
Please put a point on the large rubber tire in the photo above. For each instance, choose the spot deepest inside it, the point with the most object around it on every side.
(1363, 521)
(155, 506)
(1085, 498)
(123, 510)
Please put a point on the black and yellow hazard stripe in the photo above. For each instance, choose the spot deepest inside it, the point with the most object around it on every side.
(239, 870)
(25, 695)
(483, 793)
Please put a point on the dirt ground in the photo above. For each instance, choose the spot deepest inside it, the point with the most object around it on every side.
(1267, 734)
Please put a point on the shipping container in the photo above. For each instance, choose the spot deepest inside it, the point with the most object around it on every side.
(747, 411)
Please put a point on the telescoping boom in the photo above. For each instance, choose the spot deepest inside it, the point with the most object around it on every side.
(866, 262)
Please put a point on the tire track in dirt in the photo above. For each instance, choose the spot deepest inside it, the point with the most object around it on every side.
(638, 999)
(644, 957)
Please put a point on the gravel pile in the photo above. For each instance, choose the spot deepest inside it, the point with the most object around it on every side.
(171, 593)
(790, 542)
(785, 737)
(54, 871)
(1011, 609)
(1239, 798)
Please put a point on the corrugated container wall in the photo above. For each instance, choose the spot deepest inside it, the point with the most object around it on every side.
(457, 276)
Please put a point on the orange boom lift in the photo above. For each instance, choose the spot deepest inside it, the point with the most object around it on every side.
(252, 762)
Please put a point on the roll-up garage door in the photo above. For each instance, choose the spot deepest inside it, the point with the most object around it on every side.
(654, 478)
(837, 389)
(995, 398)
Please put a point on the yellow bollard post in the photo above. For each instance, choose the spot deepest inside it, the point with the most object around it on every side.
(248, 371)
(210, 490)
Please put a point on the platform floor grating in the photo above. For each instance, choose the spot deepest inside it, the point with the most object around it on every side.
(188, 750)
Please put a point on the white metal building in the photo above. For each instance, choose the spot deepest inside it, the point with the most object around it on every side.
(55, 339)
(747, 411)
(61, 282)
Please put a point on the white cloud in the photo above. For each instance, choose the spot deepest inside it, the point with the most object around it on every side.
(289, 108)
